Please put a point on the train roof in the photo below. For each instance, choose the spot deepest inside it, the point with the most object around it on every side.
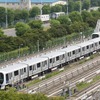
(53, 54)
(70, 48)
(89, 42)
(13, 67)
(95, 39)
(83, 44)
(34, 60)
(96, 33)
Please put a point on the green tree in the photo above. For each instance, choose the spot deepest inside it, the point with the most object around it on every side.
(56, 8)
(64, 20)
(10, 16)
(2, 15)
(34, 11)
(1, 32)
(54, 23)
(21, 28)
(70, 6)
(85, 15)
(86, 4)
(77, 6)
(46, 9)
(17, 14)
(75, 16)
(24, 14)
(35, 24)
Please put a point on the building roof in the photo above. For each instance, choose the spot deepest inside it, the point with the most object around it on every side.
(33, 1)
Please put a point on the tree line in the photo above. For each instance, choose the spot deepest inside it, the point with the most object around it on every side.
(31, 35)
(12, 95)
(14, 16)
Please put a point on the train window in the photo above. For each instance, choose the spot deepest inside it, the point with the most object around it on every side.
(74, 52)
(50, 60)
(92, 45)
(87, 47)
(30, 67)
(57, 58)
(24, 69)
(38, 65)
(99, 42)
(15, 73)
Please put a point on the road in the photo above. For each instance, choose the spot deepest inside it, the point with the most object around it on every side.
(10, 32)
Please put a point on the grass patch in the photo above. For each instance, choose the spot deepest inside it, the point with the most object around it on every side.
(33, 82)
(84, 85)
(52, 74)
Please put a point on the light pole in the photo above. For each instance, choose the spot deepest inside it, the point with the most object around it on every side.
(38, 45)
(67, 6)
(19, 49)
(41, 8)
(80, 6)
(6, 13)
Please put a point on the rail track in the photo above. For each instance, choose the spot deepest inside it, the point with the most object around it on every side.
(57, 83)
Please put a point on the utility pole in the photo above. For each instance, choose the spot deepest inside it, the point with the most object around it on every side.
(41, 8)
(89, 5)
(38, 45)
(67, 6)
(6, 13)
(80, 6)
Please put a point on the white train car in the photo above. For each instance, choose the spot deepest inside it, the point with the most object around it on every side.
(95, 35)
(55, 58)
(36, 65)
(43, 18)
(12, 73)
(71, 53)
(55, 15)
(48, 61)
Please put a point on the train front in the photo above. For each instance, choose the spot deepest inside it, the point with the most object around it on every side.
(2, 81)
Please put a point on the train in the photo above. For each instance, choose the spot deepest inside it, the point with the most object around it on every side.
(47, 17)
(41, 64)
(95, 35)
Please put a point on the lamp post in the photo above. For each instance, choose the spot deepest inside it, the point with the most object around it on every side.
(19, 49)
(67, 6)
(80, 6)
(38, 46)
(41, 8)
(6, 13)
